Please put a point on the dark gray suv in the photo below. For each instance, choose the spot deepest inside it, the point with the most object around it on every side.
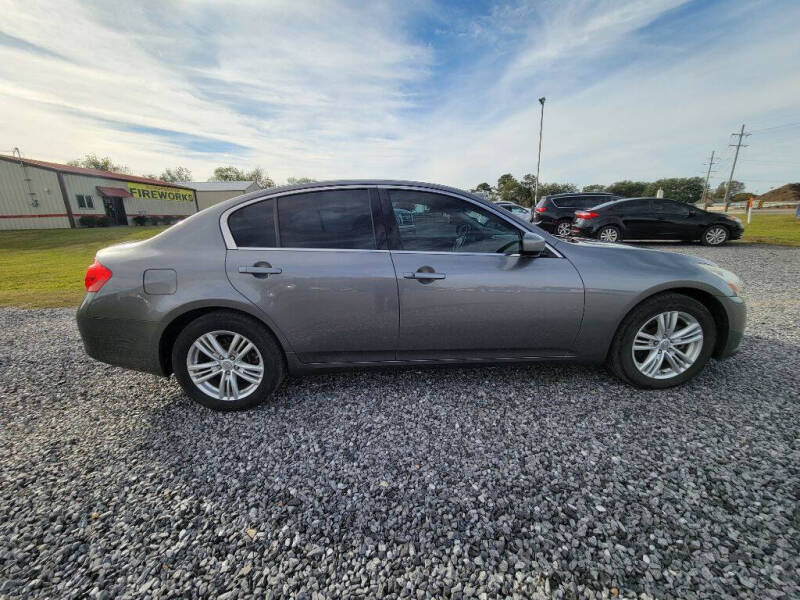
(355, 273)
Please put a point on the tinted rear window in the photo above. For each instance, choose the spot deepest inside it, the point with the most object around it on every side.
(339, 219)
(254, 225)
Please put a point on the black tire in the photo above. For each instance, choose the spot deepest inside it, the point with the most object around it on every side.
(252, 329)
(560, 224)
(610, 228)
(716, 241)
(620, 357)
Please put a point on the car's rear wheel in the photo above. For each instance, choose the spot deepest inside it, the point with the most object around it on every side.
(227, 361)
(716, 235)
(609, 233)
(663, 342)
(564, 228)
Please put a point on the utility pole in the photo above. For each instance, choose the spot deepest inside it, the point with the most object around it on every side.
(539, 159)
(708, 176)
(738, 145)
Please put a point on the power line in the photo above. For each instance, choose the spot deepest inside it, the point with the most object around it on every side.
(784, 126)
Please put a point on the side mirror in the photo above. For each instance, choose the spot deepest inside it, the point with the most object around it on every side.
(532, 244)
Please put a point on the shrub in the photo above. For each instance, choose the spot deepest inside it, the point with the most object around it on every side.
(168, 220)
(103, 221)
(155, 220)
(87, 221)
(140, 220)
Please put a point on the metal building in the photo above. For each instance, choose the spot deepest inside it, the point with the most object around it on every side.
(210, 193)
(35, 194)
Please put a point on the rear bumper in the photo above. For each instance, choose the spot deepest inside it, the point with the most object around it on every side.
(585, 231)
(736, 312)
(121, 342)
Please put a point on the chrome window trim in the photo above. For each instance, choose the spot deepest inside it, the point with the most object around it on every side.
(230, 244)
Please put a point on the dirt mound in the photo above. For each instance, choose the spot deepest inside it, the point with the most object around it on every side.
(788, 193)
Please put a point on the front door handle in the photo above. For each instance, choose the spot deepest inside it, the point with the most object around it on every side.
(424, 275)
(260, 270)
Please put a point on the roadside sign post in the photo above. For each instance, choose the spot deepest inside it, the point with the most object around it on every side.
(749, 209)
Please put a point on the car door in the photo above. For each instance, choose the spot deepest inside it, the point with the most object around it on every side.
(466, 292)
(316, 263)
(674, 219)
(638, 219)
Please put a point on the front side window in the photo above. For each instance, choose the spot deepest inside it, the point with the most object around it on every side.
(253, 226)
(337, 219)
(671, 208)
(429, 222)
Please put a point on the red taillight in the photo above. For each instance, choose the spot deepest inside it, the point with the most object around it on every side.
(541, 209)
(584, 214)
(96, 276)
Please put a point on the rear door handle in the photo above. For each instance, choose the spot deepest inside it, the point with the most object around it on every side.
(424, 275)
(260, 270)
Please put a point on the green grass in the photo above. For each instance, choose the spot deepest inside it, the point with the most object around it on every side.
(43, 268)
(783, 229)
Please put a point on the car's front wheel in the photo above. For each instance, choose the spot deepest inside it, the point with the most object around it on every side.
(663, 342)
(227, 361)
(609, 233)
(716, 235)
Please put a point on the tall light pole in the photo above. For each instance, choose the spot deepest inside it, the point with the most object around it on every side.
(539, 158)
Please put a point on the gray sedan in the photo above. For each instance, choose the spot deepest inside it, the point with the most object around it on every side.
(362, 273)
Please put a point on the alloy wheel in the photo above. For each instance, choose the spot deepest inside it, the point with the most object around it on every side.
(609, 234)
(564, 228)
(667, 344)
(225, 365)
(716, 236)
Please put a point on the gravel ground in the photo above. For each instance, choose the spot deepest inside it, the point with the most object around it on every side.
(523, 481)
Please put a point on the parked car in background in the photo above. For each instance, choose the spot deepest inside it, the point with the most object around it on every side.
(515, 209)
(555, 213)
(384, 273)
(655, 219)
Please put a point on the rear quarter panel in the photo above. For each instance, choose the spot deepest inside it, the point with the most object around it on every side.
(195, 250)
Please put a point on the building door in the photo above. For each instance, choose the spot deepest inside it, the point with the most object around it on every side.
(115, 209)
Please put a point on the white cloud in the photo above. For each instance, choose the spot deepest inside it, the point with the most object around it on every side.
(333, 89)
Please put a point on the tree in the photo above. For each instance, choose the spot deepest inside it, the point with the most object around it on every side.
(737, 187)
(548, 189)
(528, 184)
(627, 188)
(230, 173)
(594, 187)
(511, 190)
(92, 161)
(682, 189)
(298, 180)
(176, 174)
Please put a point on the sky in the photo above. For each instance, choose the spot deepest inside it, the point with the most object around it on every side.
(415, 89)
